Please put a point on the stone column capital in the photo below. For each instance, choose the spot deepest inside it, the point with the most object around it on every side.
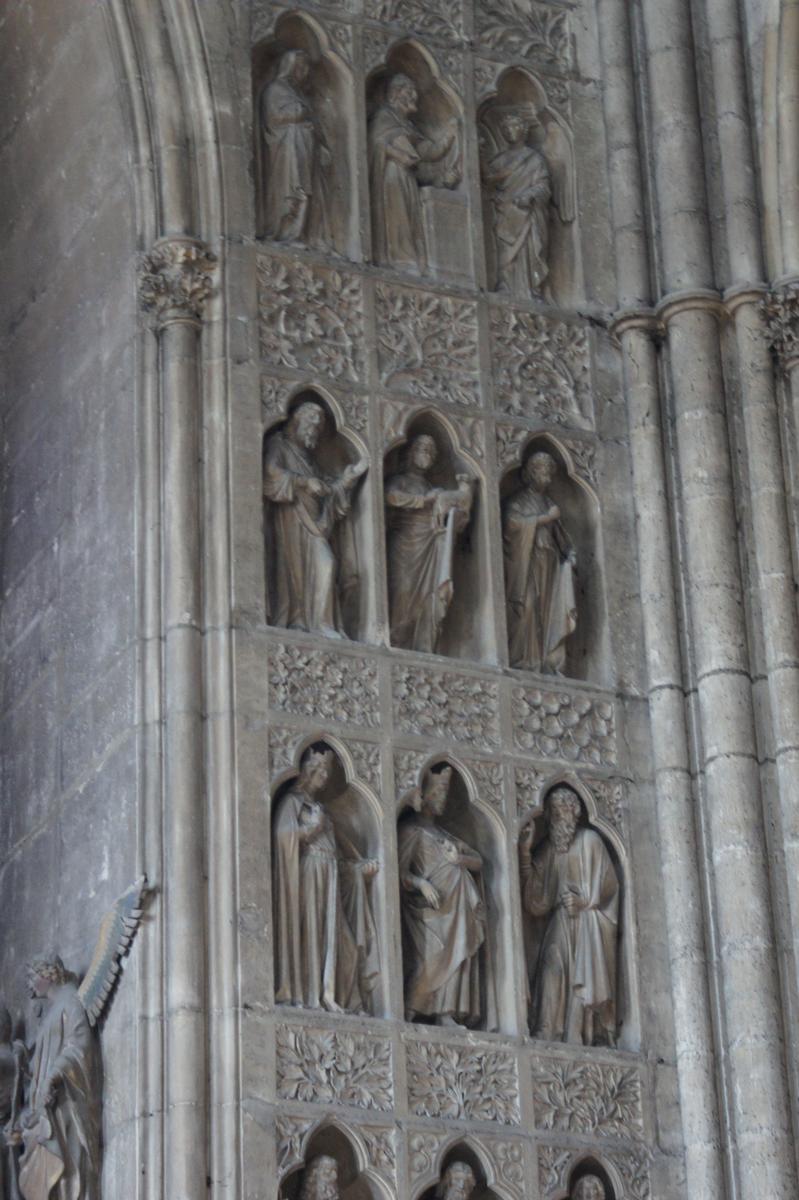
(645, 319)
(781, 311)
(175, 280)
(692, 300)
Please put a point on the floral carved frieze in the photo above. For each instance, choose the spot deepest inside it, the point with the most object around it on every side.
(595, 1099)
(441, 20)
(427, 345)
(311, 318)
(443, 705)
(324, 685)
(321, 1066)
(524, 29)
(540, 367)
(176, 280)
(463, 1083)
(574, 727)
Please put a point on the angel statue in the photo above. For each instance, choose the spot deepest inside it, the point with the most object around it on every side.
(528, 175)
(60, 1119)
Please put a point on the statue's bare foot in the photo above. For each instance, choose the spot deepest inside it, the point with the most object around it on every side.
(447, 1019)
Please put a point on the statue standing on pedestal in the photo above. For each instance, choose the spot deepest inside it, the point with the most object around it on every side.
(327, 945)
(424, 523)
(539, 572)
(296, 203)
(320, 1179)
(570, 888)
(308, 567)
(444, 914)
(398, 151)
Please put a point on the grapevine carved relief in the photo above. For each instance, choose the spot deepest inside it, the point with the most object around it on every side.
(610, 800)
(311, 318)
(463, 1083)
(427, 345)
(561, 725)
(541, 367)
(320, 684)
(442, 19)
(442, 705)
(595, 1099)
(407, 768)
(522, 28)
(529, 783)
(324, 1067)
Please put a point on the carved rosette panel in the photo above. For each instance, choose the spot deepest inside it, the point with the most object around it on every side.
(311, 318)
(524, 29)
(589, 1098)
(324, 685)
(508, 1158)
(427, 345)
(443, 705)
(441, 20)
(540, 367)
(561, 725)
(463, 1083)
(176, 280)
(423, 1151)
(291, 1133)
(320, 1066)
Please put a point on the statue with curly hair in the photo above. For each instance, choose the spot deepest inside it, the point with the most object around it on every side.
(457, 1182)
(590, 1187)
(320, 1179)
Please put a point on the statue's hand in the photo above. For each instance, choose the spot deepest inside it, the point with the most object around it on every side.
(554, 513)
(429, 893)
(526, 840)
(571, 902)
(353, 471)
(370, 867)
(315, 487)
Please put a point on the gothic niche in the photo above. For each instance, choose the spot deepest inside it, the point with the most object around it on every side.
(304, 139)
(554, 602)
(419, 204)
(315, 523)
(332, 1171)
(436, 556)
(451, 905)
(461, 1178)
(529, 191)
(571, 905)
(325, 852)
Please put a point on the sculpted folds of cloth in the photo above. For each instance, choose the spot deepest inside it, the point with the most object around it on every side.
(327, 945)
(296, 201)
(444, 916)
(520, 187)
(424, 523)
(571, 890)
(539, 572)
(311, 562)
(397, 152)
(320, 1179)
(457, 1182)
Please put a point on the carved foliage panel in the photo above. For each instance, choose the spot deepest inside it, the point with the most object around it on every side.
(525, 29)
(554, 724)
(463, 1082)
(589, 1098)
(322, 1066)
(323, 685)
(427, 344)
(540, 367)
(444, 705)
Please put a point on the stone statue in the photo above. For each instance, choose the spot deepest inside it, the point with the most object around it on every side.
(539, 572)
(10, 1088)
(326, 938)
(444, 914)
(457, 1182)
(570, 888)
(524, 184)
(296, 158)
(590, 1187)
(310, 567)
(423, 522)
(320, 1179)
(398, 152)
(61, 1118)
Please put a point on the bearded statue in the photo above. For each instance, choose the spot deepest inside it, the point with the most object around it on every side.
(590, 1187)
(457, 1182)
(320, 1179)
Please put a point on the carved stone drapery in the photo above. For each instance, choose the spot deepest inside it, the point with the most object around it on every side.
(176, 280)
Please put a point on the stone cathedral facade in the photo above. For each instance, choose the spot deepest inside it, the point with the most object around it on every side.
(400, 710)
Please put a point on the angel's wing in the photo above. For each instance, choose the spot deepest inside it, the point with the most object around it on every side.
(116, 933)
(559, 153)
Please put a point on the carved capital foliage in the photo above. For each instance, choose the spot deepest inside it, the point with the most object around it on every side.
(320, 684)
(781, 310)
(442, 705)
(322, 1067)
(176, 280)
(573, 727)
(427, 345)
(463, 1083)
(590, 1098)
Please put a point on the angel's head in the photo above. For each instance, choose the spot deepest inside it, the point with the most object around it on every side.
(517, 122)
(46, 973)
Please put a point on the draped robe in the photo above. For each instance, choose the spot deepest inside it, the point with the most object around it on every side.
(519, 177)
(307, 574)
(539, 584)
(420, 560)
(575, 967)
(61, 1160)
(296, 200)
(396, 147)
(327, 948)
(442, 943)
